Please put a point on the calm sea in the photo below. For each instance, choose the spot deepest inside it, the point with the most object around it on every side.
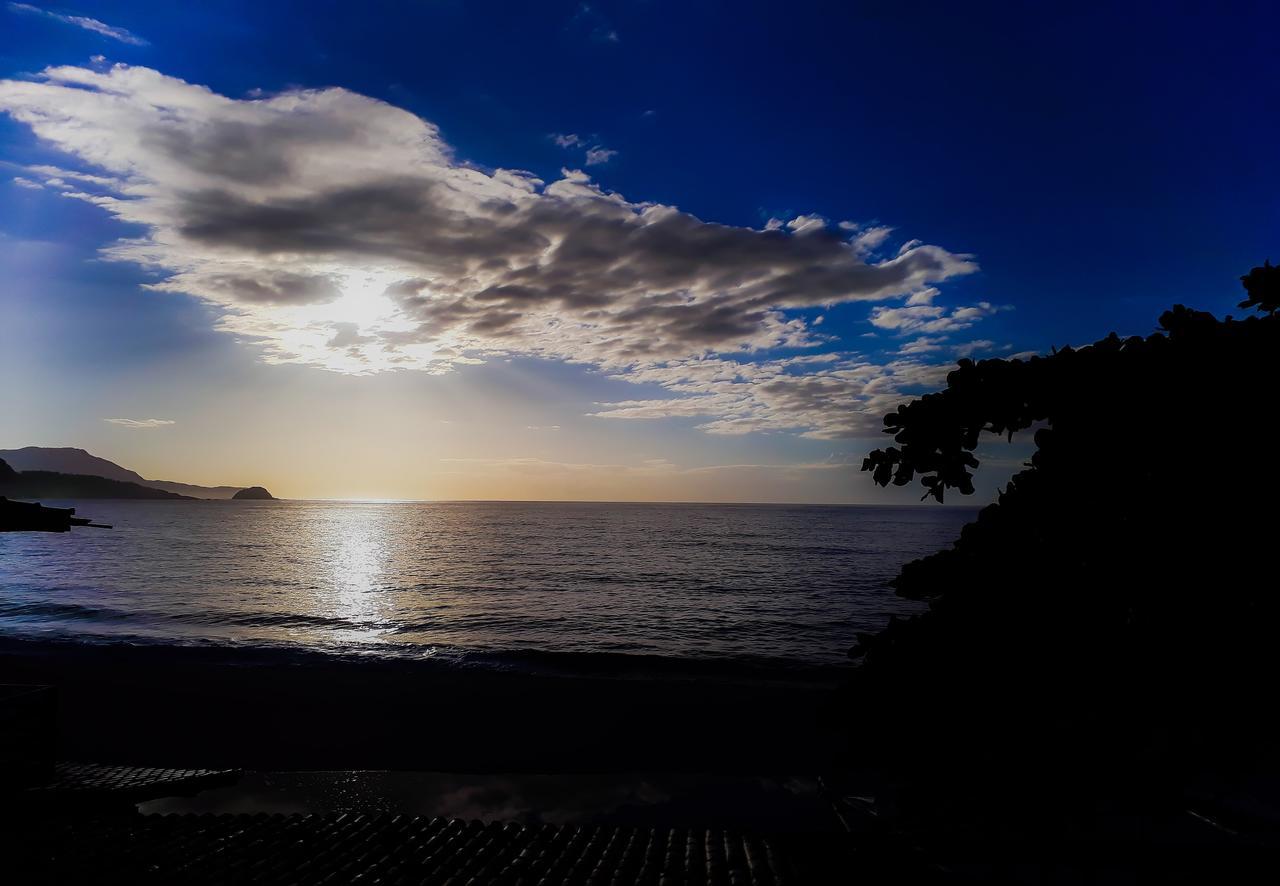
(550, 585)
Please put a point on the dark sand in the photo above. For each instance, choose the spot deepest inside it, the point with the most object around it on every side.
(270, 710)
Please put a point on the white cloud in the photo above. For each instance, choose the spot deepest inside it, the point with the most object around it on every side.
(920, 316)
(807, 224)
(140, 424)
(824, 396)
(335, 230)
(82, 21)
(599, 155)
(923, 345)
(968, 349)
(866, 238)
(566, 140)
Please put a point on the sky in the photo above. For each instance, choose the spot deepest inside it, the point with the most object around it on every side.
(639, 250)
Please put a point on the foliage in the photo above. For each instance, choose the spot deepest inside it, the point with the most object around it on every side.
(1111, 616)
(1263, 286)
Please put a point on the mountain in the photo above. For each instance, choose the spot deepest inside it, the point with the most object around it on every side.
(50, 484)
(67, 460)
(193, 491)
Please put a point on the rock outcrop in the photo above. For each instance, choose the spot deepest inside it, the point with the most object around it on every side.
(253, 493)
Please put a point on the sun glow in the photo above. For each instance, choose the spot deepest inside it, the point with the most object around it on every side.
(346, 334)
(363, 302)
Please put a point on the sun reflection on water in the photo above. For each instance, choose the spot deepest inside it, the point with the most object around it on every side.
(356, 552)
(477, 583)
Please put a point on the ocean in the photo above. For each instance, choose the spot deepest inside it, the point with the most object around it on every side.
(551, 586)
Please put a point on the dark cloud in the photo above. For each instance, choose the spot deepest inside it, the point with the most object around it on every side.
(272, 288)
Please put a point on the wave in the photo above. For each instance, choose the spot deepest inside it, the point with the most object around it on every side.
(530, 662)
(81, 612)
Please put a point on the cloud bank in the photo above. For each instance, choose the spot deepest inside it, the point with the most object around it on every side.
(337, 230)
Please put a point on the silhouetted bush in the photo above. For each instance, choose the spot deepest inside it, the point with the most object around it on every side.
(1104, 633)
(1263, 286)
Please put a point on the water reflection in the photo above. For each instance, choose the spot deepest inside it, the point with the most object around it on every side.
(449, 580)
(353, 546)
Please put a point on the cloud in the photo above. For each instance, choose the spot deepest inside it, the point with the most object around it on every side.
(923, 345)
(266, 288)
(595, 155)
(968, 349)
(297, 213)
(807, 224)
(867, 238)
(919, 316)
(81, 21)
(823, 396)
(140, 424)
(598, 155)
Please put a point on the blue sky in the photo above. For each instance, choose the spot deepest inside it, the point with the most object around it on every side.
(1066, 171)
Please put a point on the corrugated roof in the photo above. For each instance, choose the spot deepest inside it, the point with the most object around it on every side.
(134, 783)
(403, 849)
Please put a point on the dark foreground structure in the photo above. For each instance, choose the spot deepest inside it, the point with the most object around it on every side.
(21, 516)
(146, 708)
(82, 823)
(401, 849)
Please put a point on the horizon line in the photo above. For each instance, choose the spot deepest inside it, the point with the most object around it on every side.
(591, 501)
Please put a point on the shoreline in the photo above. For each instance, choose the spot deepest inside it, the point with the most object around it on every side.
(220, 707)
(531, 661)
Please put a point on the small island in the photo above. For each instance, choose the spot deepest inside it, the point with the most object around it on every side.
(253, 493)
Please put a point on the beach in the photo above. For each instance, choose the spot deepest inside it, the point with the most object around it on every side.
(254, 709)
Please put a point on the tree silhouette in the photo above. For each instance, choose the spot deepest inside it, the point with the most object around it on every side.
(1263, 286)
(1106, 627)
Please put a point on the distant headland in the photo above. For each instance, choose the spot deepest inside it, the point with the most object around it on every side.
(253, 493)
(65, 472)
